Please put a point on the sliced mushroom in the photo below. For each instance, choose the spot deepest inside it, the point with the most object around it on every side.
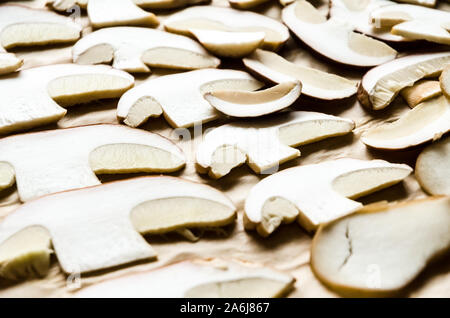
(180, 97)
(265, 144)
(32, 98)
(381, 249)
(9, 63)
(317, 194)
(427, 121)
(334, 38)
(445, 81)
(426, 3)
(64, 5)
(196, 279)
(317, 84)
(245, 4)
(132, 49)
(107, 13)
(87, 237)
(102, 149)
(230, 20)
(421, 91)
(432, 168)
(381, 84)
(238, 103)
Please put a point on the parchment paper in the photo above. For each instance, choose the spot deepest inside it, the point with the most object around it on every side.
(288, 249)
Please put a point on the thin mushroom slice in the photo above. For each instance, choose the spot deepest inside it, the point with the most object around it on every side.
(34, 97)
(230, 20)
(382, 84)
(317, 194)
(180, 97)
(107, 13)
(265, 144)
(425, 122)
(245, 4)
(9, 63)
(65, 5)
(315, 83)
(444, 81)
(381, 249)
(65, 159)
(132, 49)
(426, 3)
(418, 30)
(255, 104)
(421, 91)
(334, 38)
(196, 279)
(432, 168)
(167, 4)
(88, 237)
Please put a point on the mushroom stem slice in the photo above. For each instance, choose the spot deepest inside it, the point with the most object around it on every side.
(421, 91)
(381, 249)
(427, 121)
(317, 194)
(9, 63)
(255, 104)
(196, 279)
(99, 238)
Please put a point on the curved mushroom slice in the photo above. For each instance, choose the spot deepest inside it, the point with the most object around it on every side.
(315, 83)
(265, 144)
(9, 63)
(383, 248)
(167, 4)
(418, 30)
(444, 80)
(95, 149)
(22, 26)
(196, 279)
(107, 13)
(317, 194)
(48, 86)
(255, 104)
(187, 106)
(87, 237)
(132, 49)
(334, 38)
(432, 168)
(64, 5)
(425, 122)
(230, 20)
(229, 44)
(245, 4)
(426, 3)
(381, 84)
(420, 92)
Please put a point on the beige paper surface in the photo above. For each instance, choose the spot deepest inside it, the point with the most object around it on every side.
(288, 249)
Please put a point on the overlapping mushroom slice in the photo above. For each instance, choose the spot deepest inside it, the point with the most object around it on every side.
(245, 4)
(382, 248)
(317, 194)
(334, 38)
(432, 168)
(87, 236)
(381, 84)
(196, 279)
(444, 81)
(265, 144)
(33, 97)
(239, 103)
(180, 97)
(315, 83)
(133, 48)
(426, 3)
(414, 22)
(9, 62)
(107, 13)
(425, 122)
(420, 92)
(227, 20)
(64, 5)
(66, 159)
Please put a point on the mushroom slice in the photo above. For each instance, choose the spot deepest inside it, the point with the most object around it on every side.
(432, 168)
(87, 236)
(196, 279)
(107, 13)
(318, 193)
(65, 5)
(132, 49)
(334, 38)
(167, 4)
(9, 63)
(381, 84)
(185, 108)
(227, 19)
(425, 122)
(381, 249)
(229, 44)
(48, 86)
(421, 91)
(316, 84)
(418, 30)
(65, 159)
(245, 4)
(426, 3)
(445, 81)
(267, 143)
